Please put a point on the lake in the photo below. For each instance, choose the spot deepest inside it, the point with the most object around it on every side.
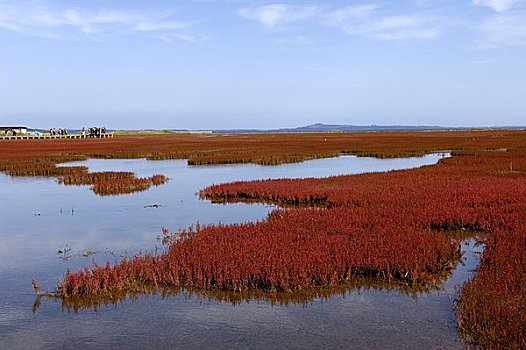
(48, 228)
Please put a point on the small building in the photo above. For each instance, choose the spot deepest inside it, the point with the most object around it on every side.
(9, 130)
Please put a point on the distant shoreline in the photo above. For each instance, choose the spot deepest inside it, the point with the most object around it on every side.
(314, 128)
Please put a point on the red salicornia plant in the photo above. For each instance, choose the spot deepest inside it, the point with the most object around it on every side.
(387, 226)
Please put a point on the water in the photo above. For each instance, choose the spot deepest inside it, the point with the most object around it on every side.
(40, 217)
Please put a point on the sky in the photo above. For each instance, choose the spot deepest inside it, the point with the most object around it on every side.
(226, 64)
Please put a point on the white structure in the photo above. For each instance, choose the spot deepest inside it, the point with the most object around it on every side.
(8, 130)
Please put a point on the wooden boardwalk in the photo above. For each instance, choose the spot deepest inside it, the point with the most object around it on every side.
(55, 137)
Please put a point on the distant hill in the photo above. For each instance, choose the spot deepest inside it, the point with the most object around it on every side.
(319, 127)
(336, 127)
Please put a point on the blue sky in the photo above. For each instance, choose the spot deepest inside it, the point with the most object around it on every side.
(209, 64)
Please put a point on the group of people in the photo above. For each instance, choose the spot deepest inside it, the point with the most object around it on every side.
(90, 132)
(54, 132)
(94, 131)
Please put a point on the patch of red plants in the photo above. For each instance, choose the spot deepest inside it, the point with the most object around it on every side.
(107, 183)
(127, 185)
(484, 191)
(387, 226)
(291, 250)
(92, 178)
(36, 157)
(383, 225)
(492, 306)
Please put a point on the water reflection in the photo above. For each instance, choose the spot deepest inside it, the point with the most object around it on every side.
(303, 297)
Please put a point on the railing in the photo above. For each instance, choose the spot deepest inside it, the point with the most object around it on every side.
(49, 137)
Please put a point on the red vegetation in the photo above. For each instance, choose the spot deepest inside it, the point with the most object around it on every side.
(492, 307)
(40, 157)
(484, 191)
(92, 178)
(384, 226)
(127, 185)
(112, 182)
(289, 251)
(120, 186)
(158, 179)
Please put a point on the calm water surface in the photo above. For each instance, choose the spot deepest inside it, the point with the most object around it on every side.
(40, 217)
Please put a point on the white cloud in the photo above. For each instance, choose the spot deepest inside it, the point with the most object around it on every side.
(149, 26)
(392, 28)
(342, 15)
(504, 30)
(408, 34)
(363, 20)
(277, 14)
(497, 5)
(170, 37)
(75, 23)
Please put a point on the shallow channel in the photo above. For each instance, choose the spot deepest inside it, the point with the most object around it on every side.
(41, 218)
